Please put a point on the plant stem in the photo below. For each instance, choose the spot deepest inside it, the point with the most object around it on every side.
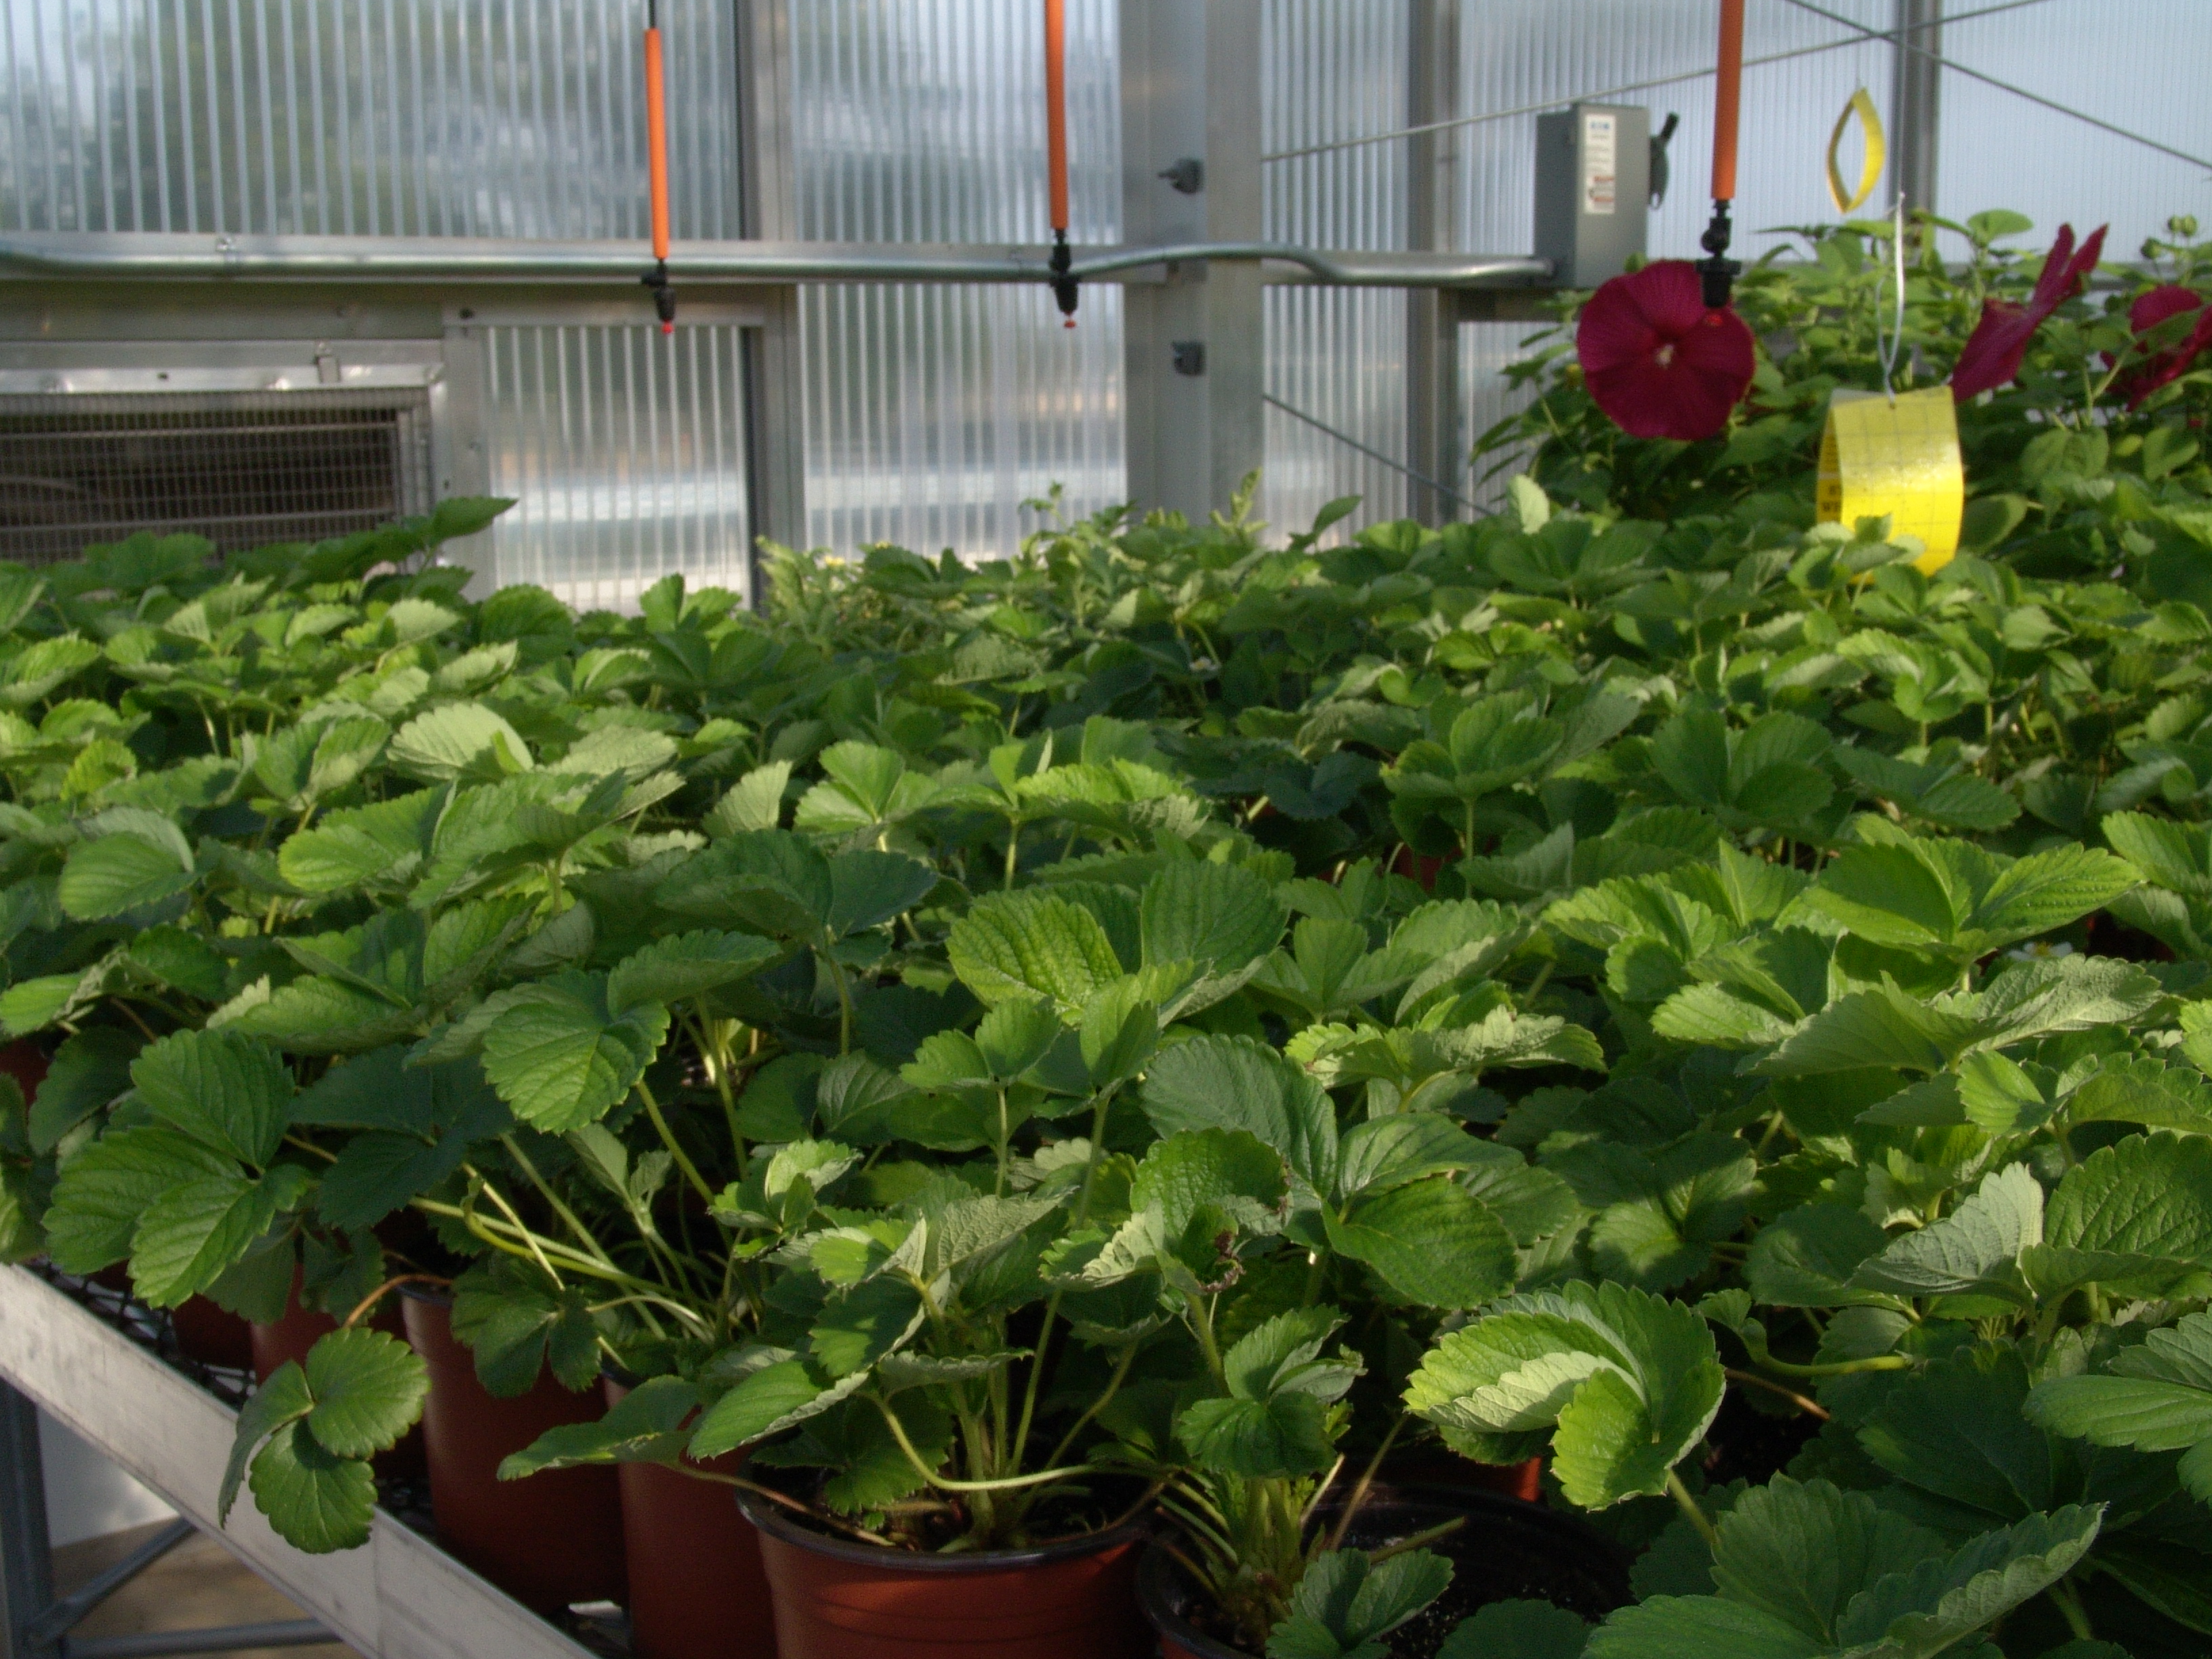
(2068, 1600)
(1810, 1407)
(1690, 1507)
(1008, 1483)
(668, 1140)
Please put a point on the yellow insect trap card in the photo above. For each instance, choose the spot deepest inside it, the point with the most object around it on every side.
(1899, 457)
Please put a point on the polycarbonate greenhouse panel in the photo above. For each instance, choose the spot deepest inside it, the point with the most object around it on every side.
(1331, 68)
(625, 450)
(390, 117)
(2141, 67)
(933, 413)
(396, 1597)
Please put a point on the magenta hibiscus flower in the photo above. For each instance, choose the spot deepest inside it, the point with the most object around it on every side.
(1999, 341)
(1659, 362)
(2164, 367)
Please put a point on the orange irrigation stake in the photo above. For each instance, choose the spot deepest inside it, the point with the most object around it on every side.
(656, 161)
(1055, 106)
(1727, 101)
(1718, 272)
(1055, 143)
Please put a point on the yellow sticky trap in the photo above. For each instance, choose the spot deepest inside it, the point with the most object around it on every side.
(1877, 151)
(1899, 457)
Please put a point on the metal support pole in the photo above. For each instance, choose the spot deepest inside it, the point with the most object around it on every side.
(1195, 348)
(27, 1578)
(1916, 102)
(774, 367)
(1434, 441)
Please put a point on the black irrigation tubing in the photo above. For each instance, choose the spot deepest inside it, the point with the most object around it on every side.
(1422, 478)
(1892, 35)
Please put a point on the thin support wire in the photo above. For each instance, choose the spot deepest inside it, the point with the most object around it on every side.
(1953, 65)
(1639, 86)
(1273, 402)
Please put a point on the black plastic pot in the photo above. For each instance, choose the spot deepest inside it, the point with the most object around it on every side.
(1506, 1550)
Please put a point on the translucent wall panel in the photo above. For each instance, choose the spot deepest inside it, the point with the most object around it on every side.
(1330, 69)
(416, 118)
(625, 449)
(933, 412)
(2140, 67)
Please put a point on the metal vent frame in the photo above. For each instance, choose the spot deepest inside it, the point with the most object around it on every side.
(243, 468)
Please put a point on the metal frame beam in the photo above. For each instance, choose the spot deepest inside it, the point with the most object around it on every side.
(1435, 443)
(400, 1597)
(1916, 102)
(1194, 342)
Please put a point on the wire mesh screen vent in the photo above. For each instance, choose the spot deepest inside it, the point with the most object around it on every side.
(244, 468)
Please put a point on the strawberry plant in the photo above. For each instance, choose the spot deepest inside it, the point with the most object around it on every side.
(1170, 1023)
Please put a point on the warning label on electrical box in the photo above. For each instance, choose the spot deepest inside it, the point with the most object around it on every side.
(1601, 173)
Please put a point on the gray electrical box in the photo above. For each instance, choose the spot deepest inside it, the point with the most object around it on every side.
(1593, 191)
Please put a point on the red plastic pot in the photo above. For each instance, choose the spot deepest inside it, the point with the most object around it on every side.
(1505, 1550)
(697, 1589)
(835, 1600)
(549, 1540)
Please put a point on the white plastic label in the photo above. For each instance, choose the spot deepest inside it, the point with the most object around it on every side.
(1600, 174)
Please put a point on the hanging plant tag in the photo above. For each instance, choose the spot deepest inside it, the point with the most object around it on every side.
(1899, 457)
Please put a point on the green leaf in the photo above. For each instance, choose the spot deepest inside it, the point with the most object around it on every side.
(228, 1091)
(518, 1328)
(868, 888)
(1953, 1429)
(1518, 1629)
(1699, 1627)
(754, 802)
(86, 1073)
(1918, 1613)
(1631, 1381)
(368, 1390)
(774, 1398)
(863, 1322)
(107, 1187)
(317, 1501)
(562, 1057)
(118, 872)
(1805, 1257)
(193, 1233)
(383, 844)
(684, 965)
(1347, 1601)
(1405, 1146)
(1431, 1243)
(1031, 944)
(1973, 1251)
(1228, 1169)
(1880, 1028)
(2149, 1195)
(645, 1425)
(1270, 1439)
(1802, 1553)
(1236, 1083)
(1220, 915)
(459, 741)
(283, 1398)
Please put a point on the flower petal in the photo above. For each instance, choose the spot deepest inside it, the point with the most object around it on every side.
(2167, 300)
(1657, 361)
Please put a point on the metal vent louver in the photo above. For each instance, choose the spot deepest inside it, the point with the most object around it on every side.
(244, 468)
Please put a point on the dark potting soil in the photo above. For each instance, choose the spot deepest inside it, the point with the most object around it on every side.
(926, 1525)
(1747, 1443)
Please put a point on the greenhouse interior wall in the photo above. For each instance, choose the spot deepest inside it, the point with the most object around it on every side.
(939, 415)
